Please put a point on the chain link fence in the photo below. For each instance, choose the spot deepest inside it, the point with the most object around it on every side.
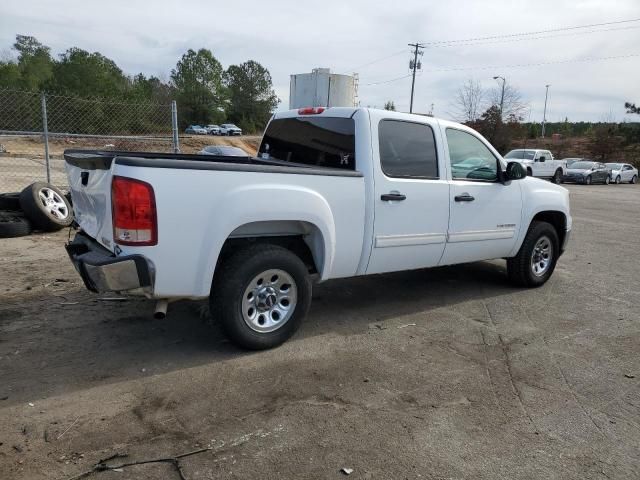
(36, 128)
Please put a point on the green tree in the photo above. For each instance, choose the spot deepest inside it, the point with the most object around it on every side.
(9, 74)
(631, 108)
(34, 62)
(390, 106)
(251, 95)
(197, 79)
(85, 74)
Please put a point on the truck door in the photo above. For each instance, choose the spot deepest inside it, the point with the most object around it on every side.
(411, 195)
(485, 214)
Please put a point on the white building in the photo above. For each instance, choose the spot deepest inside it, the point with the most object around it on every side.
(321, 88)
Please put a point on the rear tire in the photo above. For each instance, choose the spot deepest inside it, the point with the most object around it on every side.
(46, 207)
(557, 177)
(634, 179)
(535, 261)
(13, 224)
(260, 295)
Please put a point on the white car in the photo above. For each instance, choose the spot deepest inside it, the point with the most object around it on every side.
(196, 130)
(333, 193)
(622, 172)
(212, 129)
(539, 163)
(230, 129)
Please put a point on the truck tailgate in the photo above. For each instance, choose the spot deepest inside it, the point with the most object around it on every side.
(90, 185)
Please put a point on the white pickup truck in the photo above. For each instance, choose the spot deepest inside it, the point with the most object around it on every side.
(333, 193)
(539, 163)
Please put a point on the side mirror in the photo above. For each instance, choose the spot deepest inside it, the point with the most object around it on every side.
(515, 171)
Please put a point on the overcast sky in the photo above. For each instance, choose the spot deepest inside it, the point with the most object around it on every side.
(295, 36)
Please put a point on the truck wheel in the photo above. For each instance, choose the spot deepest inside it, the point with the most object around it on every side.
(13, 224)
(10, 201)
(46, 207)
(557, 177)
(529, 172)
(260, 295)
(536, 259)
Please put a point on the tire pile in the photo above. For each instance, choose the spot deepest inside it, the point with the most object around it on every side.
(40, 206)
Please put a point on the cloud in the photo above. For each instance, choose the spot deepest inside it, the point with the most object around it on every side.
(293, 37)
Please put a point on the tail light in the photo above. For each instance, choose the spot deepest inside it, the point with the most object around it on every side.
(311, 110)
(133, 207)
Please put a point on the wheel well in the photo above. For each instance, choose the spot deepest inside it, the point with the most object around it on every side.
(301, 238)
(557, 219)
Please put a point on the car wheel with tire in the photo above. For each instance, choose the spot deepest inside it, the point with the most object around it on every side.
(557, 177)
(634, 179)
(607, 181)
(535, 261)
(46, 207)
(618, 180)
(260, 295)
(13, 224)
(587, 181)
(10, 201)
(529, 172)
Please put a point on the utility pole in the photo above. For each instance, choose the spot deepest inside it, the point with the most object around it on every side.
(544, 116)
(504, 81)
(414, 65)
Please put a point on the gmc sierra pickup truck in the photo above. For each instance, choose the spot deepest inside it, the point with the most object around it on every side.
(332, 193)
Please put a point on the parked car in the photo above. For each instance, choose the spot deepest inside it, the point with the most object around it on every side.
(227, 150)
(196, 130)
(539, 163)
(259, 229)
(230, 129)
(213, 129)
(587, 172)
(622, 172)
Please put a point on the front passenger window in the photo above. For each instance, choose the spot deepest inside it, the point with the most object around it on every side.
(470, 158)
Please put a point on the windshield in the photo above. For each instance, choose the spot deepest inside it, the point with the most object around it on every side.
(582, 165)
(525, 154)
(614, 166)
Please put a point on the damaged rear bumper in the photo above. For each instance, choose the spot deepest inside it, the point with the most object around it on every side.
(101, 271)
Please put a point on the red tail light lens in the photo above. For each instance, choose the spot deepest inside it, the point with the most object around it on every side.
(311, 110)
(133, 207)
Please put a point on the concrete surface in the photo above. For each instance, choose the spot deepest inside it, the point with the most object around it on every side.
(435, 374)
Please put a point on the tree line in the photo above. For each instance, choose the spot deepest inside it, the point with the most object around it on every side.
(205, 91)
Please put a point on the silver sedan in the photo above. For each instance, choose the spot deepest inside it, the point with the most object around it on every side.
(622, 172)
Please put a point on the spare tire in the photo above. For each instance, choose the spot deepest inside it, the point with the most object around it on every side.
(46, 207)
(10, 201)
(13, 224)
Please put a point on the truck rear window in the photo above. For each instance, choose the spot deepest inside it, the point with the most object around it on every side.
(320, 142)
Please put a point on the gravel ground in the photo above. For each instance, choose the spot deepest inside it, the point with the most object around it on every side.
(447, 373)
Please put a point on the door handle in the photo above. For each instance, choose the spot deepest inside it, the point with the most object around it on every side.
(393, 197)
(465, 197)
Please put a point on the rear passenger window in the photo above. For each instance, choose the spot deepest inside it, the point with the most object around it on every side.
(407, 149)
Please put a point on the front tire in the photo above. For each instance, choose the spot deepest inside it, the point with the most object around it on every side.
(529, 172)
(260, 295)
(618, 180)
(587, 180)
(607, 181)
(535, 261)
(634, 179)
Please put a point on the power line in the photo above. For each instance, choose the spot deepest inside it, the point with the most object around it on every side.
(375, 61)
(387, 81)
(514, 35)
(520, 65)
(542, 37)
